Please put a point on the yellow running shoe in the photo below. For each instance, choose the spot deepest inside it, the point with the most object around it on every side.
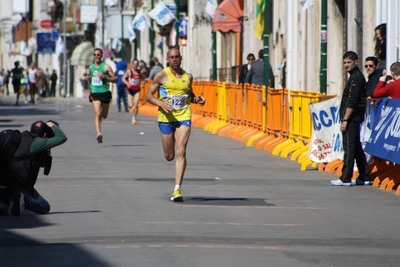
(176, 196)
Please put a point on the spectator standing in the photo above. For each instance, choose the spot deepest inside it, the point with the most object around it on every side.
(256, 73)
(380, 45)
(144, 70)
(47, 86)
(53, 79)
(371, 67)
(352, 110)
(16, 79)
(391, 87)
(245, 67)
(41, 83)
(154, 69)
(121, 92)
(7, 80)
(2, 78)
(155, 59)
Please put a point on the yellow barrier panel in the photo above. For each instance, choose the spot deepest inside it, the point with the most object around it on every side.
(222, 116)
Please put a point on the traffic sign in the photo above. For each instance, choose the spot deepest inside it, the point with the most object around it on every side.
(45, 43)
(46, 24)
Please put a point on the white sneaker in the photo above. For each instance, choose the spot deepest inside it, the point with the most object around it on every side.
(339, 182)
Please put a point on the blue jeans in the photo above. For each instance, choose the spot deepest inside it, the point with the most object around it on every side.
(35, 202)
(121, 93)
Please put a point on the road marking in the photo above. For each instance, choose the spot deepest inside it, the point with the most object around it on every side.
(91, 185)
(250, 206)
(203, 246)
(230, 223)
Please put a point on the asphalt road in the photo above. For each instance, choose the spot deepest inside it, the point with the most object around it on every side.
(243, 207)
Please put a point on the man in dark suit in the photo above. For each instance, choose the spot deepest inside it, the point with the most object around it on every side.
(256, 72)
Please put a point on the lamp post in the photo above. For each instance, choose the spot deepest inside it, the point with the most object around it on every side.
(65, 49)
(177, 25)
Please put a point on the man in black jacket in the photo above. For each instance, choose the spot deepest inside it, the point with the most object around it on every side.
(371, 66)
(352, 110)
(19, 175)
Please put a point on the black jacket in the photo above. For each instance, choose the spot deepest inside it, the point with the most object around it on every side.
(354, 96)
(373, 80)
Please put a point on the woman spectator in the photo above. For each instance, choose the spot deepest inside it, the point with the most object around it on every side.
(380, 45)
(245, 67)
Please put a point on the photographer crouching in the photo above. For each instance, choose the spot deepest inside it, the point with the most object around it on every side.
(19, 173)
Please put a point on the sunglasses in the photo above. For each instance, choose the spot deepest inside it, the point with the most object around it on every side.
(369, 66)
(97, 55)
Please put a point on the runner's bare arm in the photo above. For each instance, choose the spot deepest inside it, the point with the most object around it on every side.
(196, 99)
(158, 80)
(125, 78)
(111, 76)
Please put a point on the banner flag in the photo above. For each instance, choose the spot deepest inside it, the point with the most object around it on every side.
(259, 21)
(211, 8)
(140, 21)
(161, 14)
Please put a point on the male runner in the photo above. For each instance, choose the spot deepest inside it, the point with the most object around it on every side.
(133, 79)
(174, 113)
(100, 74)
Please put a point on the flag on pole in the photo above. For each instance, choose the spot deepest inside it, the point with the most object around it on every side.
(211, 7)
(259, 23)
(131, 32)
(306, 4)
(161, 14)
(140, 21)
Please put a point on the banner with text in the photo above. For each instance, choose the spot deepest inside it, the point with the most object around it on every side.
(384, 141)
(326, 139)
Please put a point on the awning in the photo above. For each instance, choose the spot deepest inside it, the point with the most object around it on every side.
(82, 54)
(228, 16)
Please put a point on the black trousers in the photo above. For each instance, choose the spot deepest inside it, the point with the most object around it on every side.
(353, 151)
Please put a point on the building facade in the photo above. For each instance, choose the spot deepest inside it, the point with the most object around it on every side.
(297, 37)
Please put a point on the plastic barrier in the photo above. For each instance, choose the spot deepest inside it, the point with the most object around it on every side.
(259, 117)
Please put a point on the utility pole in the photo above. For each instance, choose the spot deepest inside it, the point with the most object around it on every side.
(177, 24)
(65, 49)
(122, 32)
(152, 37)
(266, 44)
(324, 34)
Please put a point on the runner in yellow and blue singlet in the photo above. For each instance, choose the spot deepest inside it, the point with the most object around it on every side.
(174, 113)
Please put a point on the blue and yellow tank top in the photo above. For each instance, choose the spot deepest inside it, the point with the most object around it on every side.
(98, 85)
(178, 92)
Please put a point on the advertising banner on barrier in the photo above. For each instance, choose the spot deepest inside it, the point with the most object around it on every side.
(384, 141)
(326, 139)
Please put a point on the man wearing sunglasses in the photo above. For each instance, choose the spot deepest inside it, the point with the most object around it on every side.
(100, 74)
(371, 67)
(174, 113)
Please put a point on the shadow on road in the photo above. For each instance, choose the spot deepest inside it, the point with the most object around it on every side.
(19, 250)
